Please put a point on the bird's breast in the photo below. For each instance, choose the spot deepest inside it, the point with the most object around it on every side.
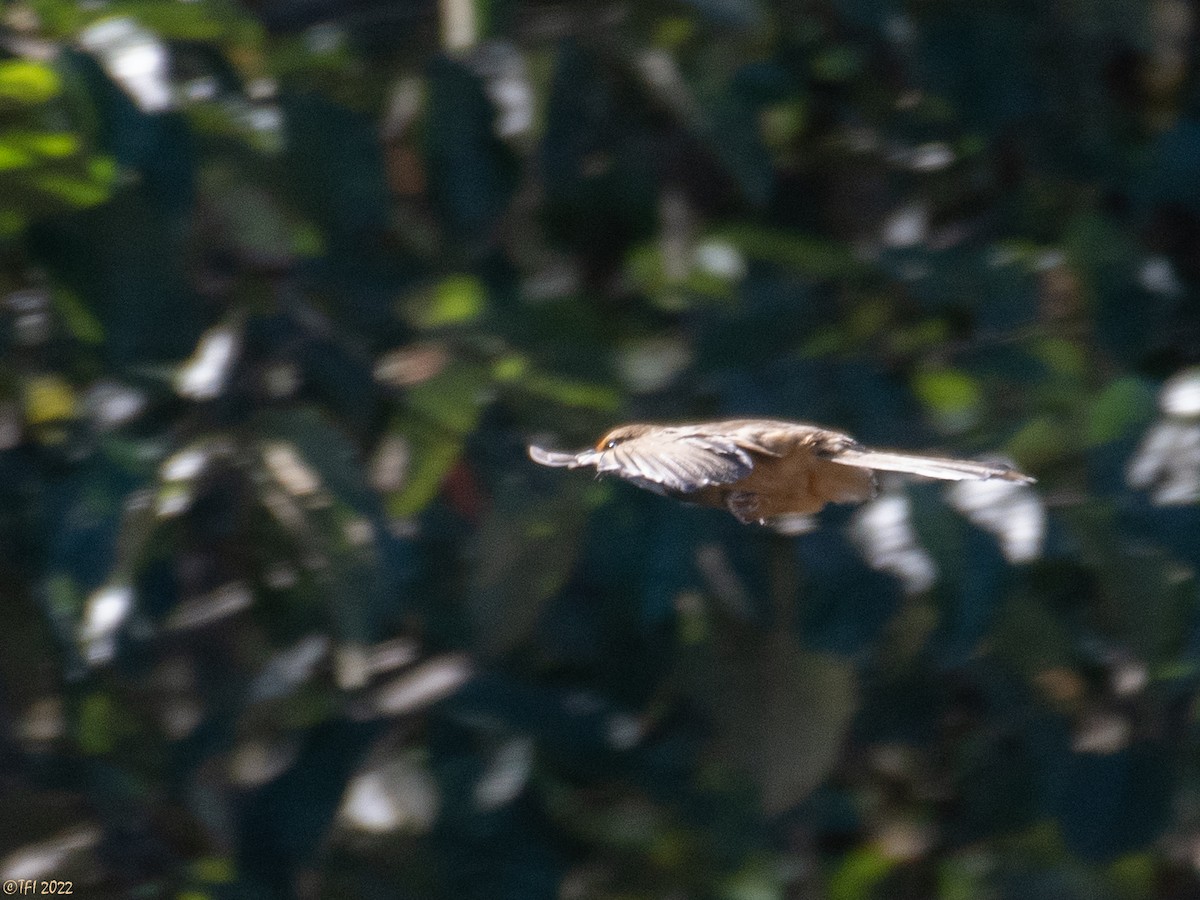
(796, 482)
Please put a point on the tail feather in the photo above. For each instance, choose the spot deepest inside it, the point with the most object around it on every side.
(929, 466)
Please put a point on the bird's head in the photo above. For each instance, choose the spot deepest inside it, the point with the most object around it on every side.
(619, 435)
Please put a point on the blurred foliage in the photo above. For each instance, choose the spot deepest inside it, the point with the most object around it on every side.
(288, 285)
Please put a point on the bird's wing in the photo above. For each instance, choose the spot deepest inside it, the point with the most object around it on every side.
(665, 460)
(928, 466)
(562, 460)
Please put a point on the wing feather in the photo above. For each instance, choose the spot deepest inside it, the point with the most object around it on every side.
(675, 460)
(562, 460)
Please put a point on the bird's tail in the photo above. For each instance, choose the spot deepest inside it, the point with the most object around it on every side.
(929, 466)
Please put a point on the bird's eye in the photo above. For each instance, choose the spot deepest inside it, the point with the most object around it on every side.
(609, 441)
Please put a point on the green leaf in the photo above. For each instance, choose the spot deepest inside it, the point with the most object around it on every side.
(1063, 357)
(96, 725)
(214, 869)
(28, 82)
(781, 712)
(51, 144)
(841, 62)
(958, 881)
(455, 301)
(48, 399)
(951, 396)
(512, 367)
(1121, 408)
(580, 394)
(208, 21)
(756, 881)
(11, 222)
(78, 318)
(1041, 443)
(1136, 875)
(102, 169)
(64, 596)
(14, 157)
(859, 873)
(74, 191)
(434, 453)
(525, 550)
(811, 256)
(453, 398)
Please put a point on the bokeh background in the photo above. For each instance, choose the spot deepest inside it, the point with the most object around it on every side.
(288, 286)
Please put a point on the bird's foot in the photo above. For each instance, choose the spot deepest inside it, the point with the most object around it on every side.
(744, 506)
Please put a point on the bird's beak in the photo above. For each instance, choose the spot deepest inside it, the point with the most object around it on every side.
(555, 458)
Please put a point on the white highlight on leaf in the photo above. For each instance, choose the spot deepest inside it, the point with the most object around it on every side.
(289, 668)
(180, 717)
(624, 732)
(184, 465)
(390, 465)
(196, 612)
(290, 470)
(359, 532)
(720, 259)
(201, 89)
(424, 685)
(106, 611)
(257, 760)
(883, 532)
(1167, 462)
(1181, 394)
(391, 655)
(355, 664)
(506, 82)
(1013, 513)
(459, 28)
(205, 375)
(324, 38)
(931, 157)
(111, 404)
(652, 364)
(506, 775)
(1102, 733)
(48, 858)
(907, 227)
(134, 58)
(1157, 275)
(398, 795)
(43, 721)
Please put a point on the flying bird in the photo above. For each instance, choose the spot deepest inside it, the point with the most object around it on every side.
(758, 469)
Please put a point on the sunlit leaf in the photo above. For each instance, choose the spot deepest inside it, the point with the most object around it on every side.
(952, 396)
(14, 157)
(454, 301)
(48, 398)
(74, 191)
(435, 451)
(27, 82)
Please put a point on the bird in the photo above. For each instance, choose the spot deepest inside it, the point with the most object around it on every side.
(758, 469)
